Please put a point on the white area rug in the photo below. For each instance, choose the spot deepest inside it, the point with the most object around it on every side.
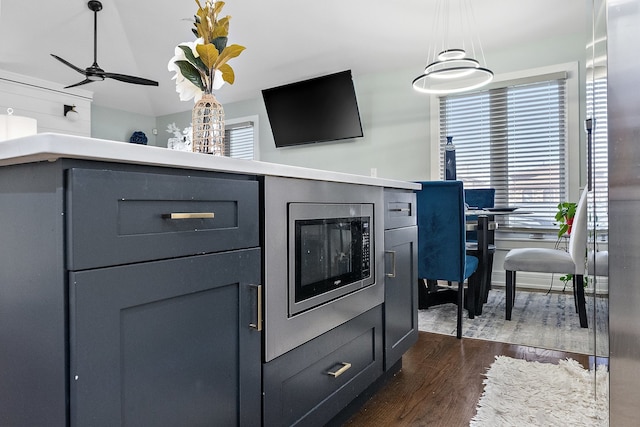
(522, 393)
(538, 320)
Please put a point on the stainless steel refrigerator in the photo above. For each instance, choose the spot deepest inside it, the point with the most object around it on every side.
(623, 93)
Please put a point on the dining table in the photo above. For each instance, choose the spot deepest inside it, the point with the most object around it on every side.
(483, 222)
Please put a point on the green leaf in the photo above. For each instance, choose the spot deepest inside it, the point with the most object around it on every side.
(563, 229)
(190, 73)
(220, 43)
(188, 53)
(208, 54)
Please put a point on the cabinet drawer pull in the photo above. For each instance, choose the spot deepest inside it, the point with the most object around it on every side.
(258, 324)
(400, 210)
(393, 263)
(189, 215)
(342, 370)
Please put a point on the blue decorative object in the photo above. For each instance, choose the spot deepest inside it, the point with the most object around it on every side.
(138, 137)
(450, 160)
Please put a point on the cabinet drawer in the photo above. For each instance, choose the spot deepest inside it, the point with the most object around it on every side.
(116, 217)
(314, 382)
(399, 209)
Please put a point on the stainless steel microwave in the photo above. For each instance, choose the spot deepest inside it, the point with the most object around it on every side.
(331, 252)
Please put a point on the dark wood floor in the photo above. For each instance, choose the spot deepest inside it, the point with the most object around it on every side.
(441, 381)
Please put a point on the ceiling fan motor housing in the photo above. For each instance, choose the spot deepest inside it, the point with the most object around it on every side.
(95, 5)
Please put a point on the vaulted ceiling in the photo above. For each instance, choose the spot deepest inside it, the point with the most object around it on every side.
(286, 40)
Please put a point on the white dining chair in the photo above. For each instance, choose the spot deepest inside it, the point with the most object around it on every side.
(543, 260)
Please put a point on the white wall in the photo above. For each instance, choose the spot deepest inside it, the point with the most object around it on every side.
(44, 101)
(397, 121)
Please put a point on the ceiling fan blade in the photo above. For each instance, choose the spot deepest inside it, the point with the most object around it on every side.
(84, 82)
(130, 79)
(68, 64)
(94, 72)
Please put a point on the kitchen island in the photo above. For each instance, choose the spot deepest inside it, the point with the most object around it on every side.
(116, 309)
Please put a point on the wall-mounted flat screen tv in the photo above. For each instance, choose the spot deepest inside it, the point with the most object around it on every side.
(316, 110)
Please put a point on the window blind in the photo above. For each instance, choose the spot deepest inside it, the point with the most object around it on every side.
(239, 140)
(512, 139)
(597, 106)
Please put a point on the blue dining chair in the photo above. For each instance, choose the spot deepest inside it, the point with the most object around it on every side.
(479, 198)
(441, 241)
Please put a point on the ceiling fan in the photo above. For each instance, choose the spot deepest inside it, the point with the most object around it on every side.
(94, 72)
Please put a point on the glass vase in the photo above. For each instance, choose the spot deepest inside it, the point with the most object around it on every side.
(208, 126)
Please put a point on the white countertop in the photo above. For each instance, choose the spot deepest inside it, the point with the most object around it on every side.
(51, 147)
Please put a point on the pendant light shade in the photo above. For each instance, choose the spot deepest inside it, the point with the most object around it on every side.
(452, 66)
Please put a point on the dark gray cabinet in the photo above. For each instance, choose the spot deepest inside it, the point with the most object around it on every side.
(129, 295)
(166, 343)
(158, 335)
(401, 275)
(313, 382)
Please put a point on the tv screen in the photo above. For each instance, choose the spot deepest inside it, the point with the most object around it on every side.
(315, 110)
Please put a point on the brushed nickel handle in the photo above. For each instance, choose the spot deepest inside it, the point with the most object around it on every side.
(393, 262)
(342, 370)
(189, 215)
(258, 324)
(400, 210)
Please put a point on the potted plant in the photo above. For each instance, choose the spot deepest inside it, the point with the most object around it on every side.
(564, 216)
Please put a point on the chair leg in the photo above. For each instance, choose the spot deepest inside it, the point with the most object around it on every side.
(578, 291)
(510, 288)
(473, 284)
(460, 303)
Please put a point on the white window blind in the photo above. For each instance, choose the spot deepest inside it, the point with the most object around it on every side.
(597, 106)
(512, 139)
(239, 140)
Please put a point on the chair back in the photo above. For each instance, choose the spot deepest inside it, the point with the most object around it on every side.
(441, 231)
(578, 236)
(480, 197)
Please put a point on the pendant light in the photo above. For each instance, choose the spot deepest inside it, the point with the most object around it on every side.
(452, 66)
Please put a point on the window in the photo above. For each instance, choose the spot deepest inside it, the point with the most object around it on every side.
(240, 140)
(512, 138)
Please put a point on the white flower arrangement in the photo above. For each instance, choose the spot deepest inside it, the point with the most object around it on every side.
(182, 140)
(201, 66)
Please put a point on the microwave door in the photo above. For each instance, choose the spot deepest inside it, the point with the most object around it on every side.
(314, 251)
(340, 249)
